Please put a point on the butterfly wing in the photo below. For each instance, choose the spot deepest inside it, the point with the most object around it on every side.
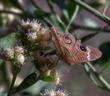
(79, 53)
(61, 40)
(73, 51)
(84, 53)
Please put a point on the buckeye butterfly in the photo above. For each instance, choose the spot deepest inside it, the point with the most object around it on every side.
(71, 50)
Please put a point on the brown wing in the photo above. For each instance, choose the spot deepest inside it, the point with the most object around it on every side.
(80, 54)
(74, 56)
(73, 51)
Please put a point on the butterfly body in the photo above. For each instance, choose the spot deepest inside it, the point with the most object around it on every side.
(71, 50)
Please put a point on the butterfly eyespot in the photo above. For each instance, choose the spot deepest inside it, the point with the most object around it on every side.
(67, 39)
(83, 48)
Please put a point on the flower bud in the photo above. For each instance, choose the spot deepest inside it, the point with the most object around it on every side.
(19, 50)
(31, 36)
(61, 93)
(35, 32)
(9, 53)
(20, 59)
(16, 53)
(43, 63)
(43, 37)
(56, 76)
(33, 25)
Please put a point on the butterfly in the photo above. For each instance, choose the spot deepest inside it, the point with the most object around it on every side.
(71, 50)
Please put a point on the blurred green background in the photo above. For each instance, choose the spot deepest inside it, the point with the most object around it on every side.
(85, 26)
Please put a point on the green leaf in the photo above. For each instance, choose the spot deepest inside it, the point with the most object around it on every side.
(4, 74)
(53, 20)
(15, 3)
(70, 7)
(105, 48)
(6, 2)
(27, 82)
(104, 61)
(15, 69)
(8, 40)
(47, 78)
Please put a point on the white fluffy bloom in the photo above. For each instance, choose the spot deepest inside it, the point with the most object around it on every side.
(19, 49)
(31, 36)
(20, 58)
(9, 53)
(53, 92)
(16, 53)
(35, 25)
(35, 31)
(58, 80)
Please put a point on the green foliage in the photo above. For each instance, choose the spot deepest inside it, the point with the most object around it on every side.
(47, 78)
(27, 82)
(8, 40)
(105, 49)
(63, 18)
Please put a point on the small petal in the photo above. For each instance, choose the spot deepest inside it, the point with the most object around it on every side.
(53, 92)
(31, 36)
(19, 49)
(33, 25)
(9, 53)
(20, 59)
(56, 76)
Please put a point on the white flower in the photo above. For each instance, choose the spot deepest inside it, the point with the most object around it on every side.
(32, 36)
(35, 31)
(9, 53)
(57, 78)
(35, 25)
(19, 49)
(61, 93)
(53, 92)
(20, 58)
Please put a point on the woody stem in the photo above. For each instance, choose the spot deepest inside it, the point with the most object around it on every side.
(98, 79)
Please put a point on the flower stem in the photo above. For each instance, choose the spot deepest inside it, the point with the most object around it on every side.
(73, 17)
(91, 70)
(12, 85)
(93, 11)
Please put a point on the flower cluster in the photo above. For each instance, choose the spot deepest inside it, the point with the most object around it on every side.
(53, 92)
(56, 76)
(16, 53)
(35, 32)
(47, 67)
(32, 35)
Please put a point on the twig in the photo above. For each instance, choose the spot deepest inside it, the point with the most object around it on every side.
(73, 17)
(12, 84)
(56, 16)
(93, 11)
(50, 6)
(10, 12)
(104, 84)
(81, 27)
